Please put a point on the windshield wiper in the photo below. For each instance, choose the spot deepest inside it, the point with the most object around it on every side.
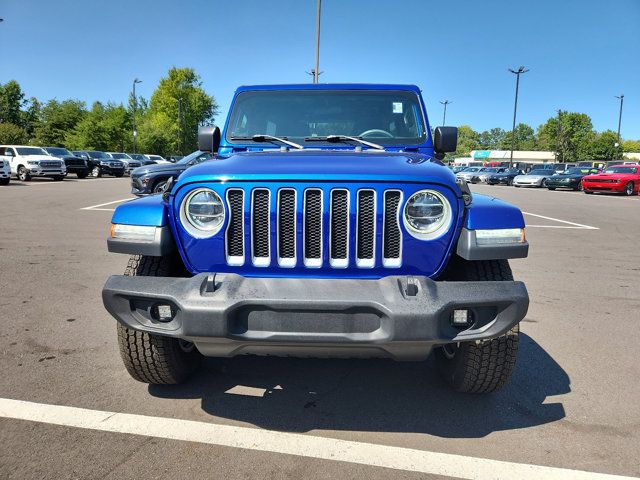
(271, 139)
(344, 138)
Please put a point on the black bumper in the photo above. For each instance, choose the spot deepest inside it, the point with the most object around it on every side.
(108, 170)
(400, 317)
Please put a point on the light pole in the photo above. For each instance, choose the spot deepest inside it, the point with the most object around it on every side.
(621, 98)
(444, 115)
(135, 103)
(559, 150)
(517, 73)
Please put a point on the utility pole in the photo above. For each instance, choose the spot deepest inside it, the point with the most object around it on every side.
(444, 116)
(559, 150)
(517, 73)
(135, 103)
(621, 98)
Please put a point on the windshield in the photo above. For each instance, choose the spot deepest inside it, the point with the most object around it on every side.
(546, 171)
(627, 170)
(31, 151)
(471, 169)
(383, 116)
(120, 156)
(94, 154)
(137, 156)
(196, 156)
(58, 151)
(491, 170)
(155, 157)
(577, 171)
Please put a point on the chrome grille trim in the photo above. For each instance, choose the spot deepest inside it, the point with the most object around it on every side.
(261, 227)
(391, 231)
(312, 251)
(339, 232)
(366, 229)
(286, 251)
(234, 234)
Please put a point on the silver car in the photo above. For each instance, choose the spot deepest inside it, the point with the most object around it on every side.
(470, 174)
(535, 178)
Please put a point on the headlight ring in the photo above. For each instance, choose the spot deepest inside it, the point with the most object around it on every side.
(427, 214)
(202, 213)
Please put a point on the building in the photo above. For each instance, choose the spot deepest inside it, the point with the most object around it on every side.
(482, 157)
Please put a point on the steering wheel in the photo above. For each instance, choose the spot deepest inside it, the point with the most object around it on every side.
(376, 131)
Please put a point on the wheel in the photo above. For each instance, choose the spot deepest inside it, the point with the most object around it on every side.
(96, 172)
(628, 189)
(58, 178)
(588, 192)
(517, 186)
(543, 183)
(151, 358)
(4, 181)
(118, 175)
(551, 188)
(510, 182)
(23, 174)
(159, 187)
(579, 188)
(485, 366)
(82, 174)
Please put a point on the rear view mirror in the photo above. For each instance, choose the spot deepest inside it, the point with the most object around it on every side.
(208, 139)
(445, 140)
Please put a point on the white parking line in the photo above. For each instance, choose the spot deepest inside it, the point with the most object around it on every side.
(309, 446)
(96, 207)
(574, 225)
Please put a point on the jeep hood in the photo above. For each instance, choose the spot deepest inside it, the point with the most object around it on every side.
(319, 165)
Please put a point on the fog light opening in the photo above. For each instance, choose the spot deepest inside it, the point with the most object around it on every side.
(163, 312)
(461, 318)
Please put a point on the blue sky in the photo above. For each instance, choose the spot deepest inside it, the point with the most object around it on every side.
(581, 52)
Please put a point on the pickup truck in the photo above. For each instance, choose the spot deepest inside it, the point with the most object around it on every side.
(327, 227)
(28, 162)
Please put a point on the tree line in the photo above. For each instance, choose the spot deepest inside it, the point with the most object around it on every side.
(166, 124)
(569, 134)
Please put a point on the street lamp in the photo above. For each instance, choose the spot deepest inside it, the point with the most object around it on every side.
(135, 102)
(444, 115)
(517, 73)
(621, 98)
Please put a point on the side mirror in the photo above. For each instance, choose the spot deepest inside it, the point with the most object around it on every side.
(209, 139)
(445, 140)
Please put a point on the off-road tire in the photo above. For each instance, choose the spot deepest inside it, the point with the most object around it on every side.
(151, 358)
(483, 366)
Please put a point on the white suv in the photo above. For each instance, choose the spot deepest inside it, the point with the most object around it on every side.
(27, 162)
(5, 172)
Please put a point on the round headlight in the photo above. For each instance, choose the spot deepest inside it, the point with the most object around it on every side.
(427, 214)
(202, 212)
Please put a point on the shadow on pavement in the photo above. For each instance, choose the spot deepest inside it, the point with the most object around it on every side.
(299, 395)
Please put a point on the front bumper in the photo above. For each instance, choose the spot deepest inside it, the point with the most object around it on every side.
(109, 170)
(604, 186)
(401, 317)
(570, 184)
(520, 183)
(47, 172)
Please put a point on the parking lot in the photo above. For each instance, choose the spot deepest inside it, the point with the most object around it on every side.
(572, 404)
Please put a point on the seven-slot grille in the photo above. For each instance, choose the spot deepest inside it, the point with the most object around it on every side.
(301, 234)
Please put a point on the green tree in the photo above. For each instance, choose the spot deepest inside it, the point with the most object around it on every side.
(12, 134)
(603, 146)
(631, 146)
(525, 138)
(569, 134)
(468, 139)
(180, 94)
(104, 127)
(11, 102)
(492, 139)
(31, 116)
(57, 119)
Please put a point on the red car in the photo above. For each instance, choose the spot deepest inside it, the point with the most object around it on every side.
(618, 179)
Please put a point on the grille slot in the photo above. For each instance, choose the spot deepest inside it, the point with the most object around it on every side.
(235, 227)
(313, 227)
(260, 230)
(339, 236)
(366, 229)
(392, 235)
(287, 227)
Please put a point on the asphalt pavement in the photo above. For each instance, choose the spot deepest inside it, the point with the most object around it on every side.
(573, 402)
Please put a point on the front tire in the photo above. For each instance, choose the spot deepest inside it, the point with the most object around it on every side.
(82, 174)
(484, 366)
(96, 172)
(159, 187)
(58, 178)
(151, 358)
(628, 189)
(23, 174)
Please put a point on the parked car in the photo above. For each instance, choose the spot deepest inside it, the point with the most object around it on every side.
(175, 158)
(143, 159)
(563, 167)
(101, 163)
(152, 178)
(503, 178)
(129, 163)
(5, 172)
(158, 158)
(74, 163)
(487, 172)
(570, 179)
(623, 179)
(535, 178)
(457, 169)
(471, 174)
(28, 162)
(287, 246)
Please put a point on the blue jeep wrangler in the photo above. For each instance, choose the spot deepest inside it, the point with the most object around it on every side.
(325, 225)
